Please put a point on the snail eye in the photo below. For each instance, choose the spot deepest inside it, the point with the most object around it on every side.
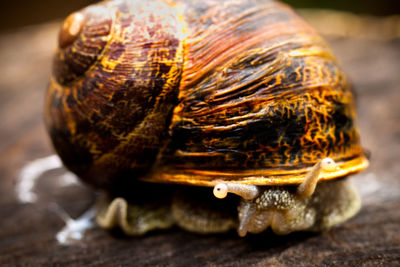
(220, 190)
(70, 29)
(328, 164)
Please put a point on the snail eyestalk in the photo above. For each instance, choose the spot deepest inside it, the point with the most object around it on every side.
(307, 187)
(329, 165)
(248, 192)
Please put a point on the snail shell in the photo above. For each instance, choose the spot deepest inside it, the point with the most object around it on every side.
(196, 92)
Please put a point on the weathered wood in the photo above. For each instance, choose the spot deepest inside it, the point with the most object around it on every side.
(27, 231)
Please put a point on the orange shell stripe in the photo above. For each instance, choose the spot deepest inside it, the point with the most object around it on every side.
(275, 177)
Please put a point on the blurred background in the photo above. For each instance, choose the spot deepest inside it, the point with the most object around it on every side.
(365, 36)
(18, 13)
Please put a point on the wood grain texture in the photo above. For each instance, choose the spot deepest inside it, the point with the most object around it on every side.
(27, 231)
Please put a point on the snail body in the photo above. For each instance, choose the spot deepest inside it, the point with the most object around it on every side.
(242, 96)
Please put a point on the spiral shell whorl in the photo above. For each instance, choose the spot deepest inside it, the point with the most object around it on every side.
(109, 103)
(80, 49)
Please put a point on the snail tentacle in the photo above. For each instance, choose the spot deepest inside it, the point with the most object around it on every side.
(307, 187)
(246, 191)
(247, 213)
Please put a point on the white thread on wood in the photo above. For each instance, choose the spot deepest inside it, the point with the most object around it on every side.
(29, 175)
(74, 230)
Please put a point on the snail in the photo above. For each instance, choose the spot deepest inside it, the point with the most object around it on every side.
(162, 103)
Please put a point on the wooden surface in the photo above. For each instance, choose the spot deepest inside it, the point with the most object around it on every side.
(27, 231)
